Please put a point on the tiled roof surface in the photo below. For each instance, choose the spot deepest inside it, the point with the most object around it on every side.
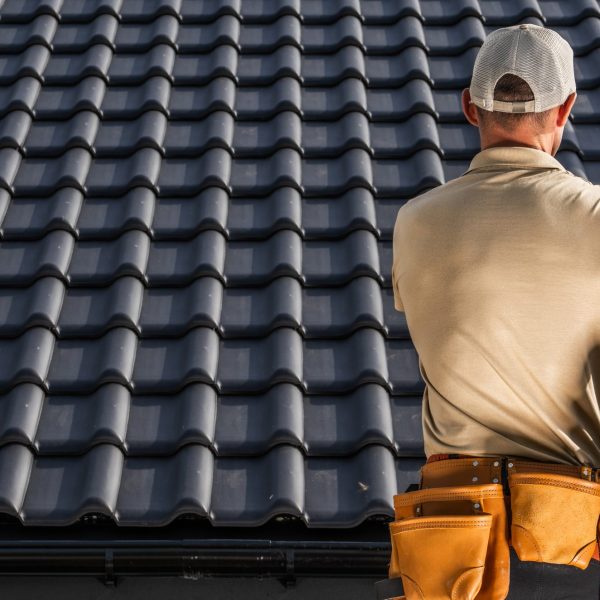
(196, 206)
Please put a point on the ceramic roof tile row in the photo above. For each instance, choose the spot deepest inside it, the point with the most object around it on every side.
(197, 200)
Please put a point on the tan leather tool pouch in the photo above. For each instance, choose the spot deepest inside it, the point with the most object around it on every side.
(554, 518)
(451, 543)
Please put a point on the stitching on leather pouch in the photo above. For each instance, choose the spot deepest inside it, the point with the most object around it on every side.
(466, 495)
(530, 535)
(563, 484)
(456, 588)
(449, 524)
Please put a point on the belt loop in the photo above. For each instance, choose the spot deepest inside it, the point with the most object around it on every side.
(505, 485)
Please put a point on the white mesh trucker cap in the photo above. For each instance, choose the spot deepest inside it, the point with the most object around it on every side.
(538, 55)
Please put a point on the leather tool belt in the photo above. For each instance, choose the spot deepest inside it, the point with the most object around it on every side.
(451, 537)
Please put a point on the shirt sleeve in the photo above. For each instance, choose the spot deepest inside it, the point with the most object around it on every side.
(398, 304)
(397, 299)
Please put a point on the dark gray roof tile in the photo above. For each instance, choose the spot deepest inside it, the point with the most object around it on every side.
(342, 492)
(10, 161)
(330, 69)
(124, 137)
(139, 37)
(20, 411)
(26, 358)
(453, 71)
(16, 461)
(128, 102)
(60, 102)
(148, 10)
(197, 101)
(249, 491)
(448, 12)
(160, 425)
(340, 310)
(176, 218)
(403, 365)
(177, 262)
(394, 320)
(346, 31)
(203, 38)
(386, 210)
(265, 101)
(185, 478)
(328, 11)
(256, 311)
(420, 171)
(205, 11)
(59, 491)
(263, 69)
(68, 69)
(258, 262)
(191, 138)
(16, 37)
(447, 106)
(13, 129)
(582, 138)
(253, 365)
(262, 175)
(584, 36)
(351, 169)
(52, 138)
(445, 40)
(33, 306)
(265, 38)
(78, 37)
(453, 169)
(397, 104)
(332, 102)
(335, 217)
(395, 37)
(458, 141)
(282, 209)
(32, 218)
(341, 425)
(129, 69)
(89, 312)
(21, 263)
(116, 176)
(273, 418)
(29, 63)
(341, 365)
(101, 262)
(393, 71)
(86, 10)
(323, 138)
(23, 11)
(267, 11)
(83, 365)
(509, 12)
(407, 423)
(43, 176)
(383, 11)
(399, 140)
(168, 365)
(198, 69)
(174, 311)
(20, 95)
(336, 262)
(189, 176)
(103, 218)
(262, 138)
(74, 424)
(586, 107)
(568, 13)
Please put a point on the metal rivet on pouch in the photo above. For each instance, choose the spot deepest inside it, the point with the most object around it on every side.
(418, 509)
(475, 463)
(474, 479)
(585, 471)
(495, 480)
(496, 463)
(510, 465)
(476, 505)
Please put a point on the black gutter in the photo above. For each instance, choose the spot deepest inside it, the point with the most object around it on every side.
(193, 552)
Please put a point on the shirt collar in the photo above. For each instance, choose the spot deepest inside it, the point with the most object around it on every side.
(519, 157)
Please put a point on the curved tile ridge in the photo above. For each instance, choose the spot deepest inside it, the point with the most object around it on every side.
(139, 37)
(395, 37)
(207, 11)
(20, 412)
(264, 69)
(568, 13)
(23, 11)
(83, 11)
(146, 10)
(398, 104)
(263, 37)
(168, 365)
(198, 101)
(20, 95)
(34, 61)
(198, 69)
(68, 69)
(38, 305)
(346, 31)
(14, 128)
(190, 138)
(131, 101)
(377, 12)
(15, 37)
(27, 358)
(90, 312)
(79, 37)
(62, 102)
(21, 263)
(224, 30)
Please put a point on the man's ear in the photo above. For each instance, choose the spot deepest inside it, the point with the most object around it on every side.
(564, 109)
(469, 108)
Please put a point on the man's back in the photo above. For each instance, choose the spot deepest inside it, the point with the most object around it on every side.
(499, 273)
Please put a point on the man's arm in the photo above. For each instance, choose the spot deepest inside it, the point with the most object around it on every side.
(398, 304)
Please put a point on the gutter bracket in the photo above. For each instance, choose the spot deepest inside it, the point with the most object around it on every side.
(289, 579)
(109, 569)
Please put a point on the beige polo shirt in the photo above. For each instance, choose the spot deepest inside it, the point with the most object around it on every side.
(498, 272)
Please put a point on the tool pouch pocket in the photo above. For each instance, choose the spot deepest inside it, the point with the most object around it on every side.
(451, 543)
(554, 518)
